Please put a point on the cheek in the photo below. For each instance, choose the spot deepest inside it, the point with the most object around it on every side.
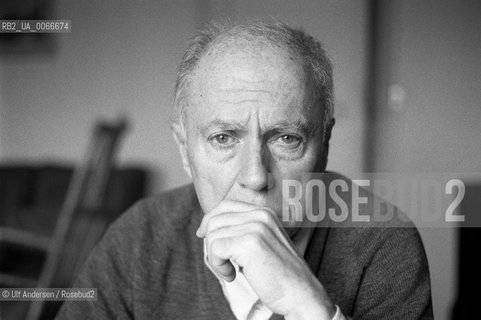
(212, 180)
(296, 169)
(291, 170)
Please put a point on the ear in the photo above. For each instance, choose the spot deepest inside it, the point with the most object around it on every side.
(325, 146)
(181, 139)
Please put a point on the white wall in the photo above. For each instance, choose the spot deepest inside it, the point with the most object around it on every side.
(121, 56)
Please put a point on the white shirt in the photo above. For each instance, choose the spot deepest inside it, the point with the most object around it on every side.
(243, 301)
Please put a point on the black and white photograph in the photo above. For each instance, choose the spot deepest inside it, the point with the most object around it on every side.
(240, 160)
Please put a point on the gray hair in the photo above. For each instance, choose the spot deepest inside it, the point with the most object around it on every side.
(311, 52)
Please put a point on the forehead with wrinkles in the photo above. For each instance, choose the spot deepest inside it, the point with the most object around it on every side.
(249, 67)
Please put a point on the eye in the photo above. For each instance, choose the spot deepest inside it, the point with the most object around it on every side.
(222, 140)
(289, 140)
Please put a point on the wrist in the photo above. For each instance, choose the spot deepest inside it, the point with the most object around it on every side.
(316, 306)
(316, 312)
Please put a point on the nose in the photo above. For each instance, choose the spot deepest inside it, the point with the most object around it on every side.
(254, 167)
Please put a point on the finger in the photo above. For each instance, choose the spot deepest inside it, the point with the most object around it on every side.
(224, 268)
(256, 221)
(218, 255)
(237, 218)
(242, 250)
(235, 231)
(222, 207)
(240, 244)
(262, 216)
(218, 259)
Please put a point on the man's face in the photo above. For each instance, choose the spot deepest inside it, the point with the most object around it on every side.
(251, 122)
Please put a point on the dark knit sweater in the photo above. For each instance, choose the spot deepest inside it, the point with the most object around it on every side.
(149, 265)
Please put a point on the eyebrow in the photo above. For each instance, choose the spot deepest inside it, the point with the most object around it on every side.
(305, 126)
(223, 125)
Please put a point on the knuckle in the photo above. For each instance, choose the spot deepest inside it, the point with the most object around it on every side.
(253, 240)
(224, 205)
(217, 246)
(265, 216)
(259, 227)
(214, 236)
(209, 237)
(212, 223)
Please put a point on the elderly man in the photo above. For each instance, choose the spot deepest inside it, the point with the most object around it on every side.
(255, 105)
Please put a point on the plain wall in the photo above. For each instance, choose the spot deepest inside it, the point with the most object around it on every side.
(434, 52)
(121, 58)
